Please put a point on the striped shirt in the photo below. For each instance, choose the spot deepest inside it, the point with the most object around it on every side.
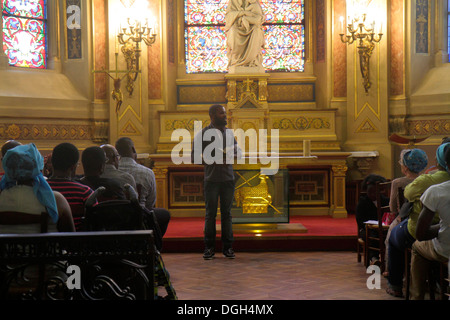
(76, 195)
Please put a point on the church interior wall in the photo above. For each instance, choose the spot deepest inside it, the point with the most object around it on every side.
(71, 102)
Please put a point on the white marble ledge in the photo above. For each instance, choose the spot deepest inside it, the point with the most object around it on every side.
(364, 154)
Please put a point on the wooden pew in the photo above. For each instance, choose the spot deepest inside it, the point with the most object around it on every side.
(109, 264)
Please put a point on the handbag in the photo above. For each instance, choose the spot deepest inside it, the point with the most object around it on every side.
(405, 209)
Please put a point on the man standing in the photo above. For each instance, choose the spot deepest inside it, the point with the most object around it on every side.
(219, 178)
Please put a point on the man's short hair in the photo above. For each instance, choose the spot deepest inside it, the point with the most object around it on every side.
(124, 145)
(64, 156)
(93, 158)
(9, 145)
(213, 109)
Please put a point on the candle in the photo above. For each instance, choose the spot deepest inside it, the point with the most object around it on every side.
(342, 25)
(116, 43)
(307, 148)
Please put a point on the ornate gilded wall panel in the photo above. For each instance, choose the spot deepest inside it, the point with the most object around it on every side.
(339, 55)
(99, 49)
(73, 29)
(291, 92)
(321, 39)
(171, 121)
(307, 122)
(397, 45)
(422, 24)
(309, 187)
(154, 63)
(201, 94)
(186, 190)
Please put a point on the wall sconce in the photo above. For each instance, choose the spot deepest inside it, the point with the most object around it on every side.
(364, 35)
(131, 34)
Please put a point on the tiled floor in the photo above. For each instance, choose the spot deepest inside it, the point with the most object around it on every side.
(273, 276)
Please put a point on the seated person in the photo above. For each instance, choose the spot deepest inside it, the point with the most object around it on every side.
(94, 160)
(145, 180)
(65, 158)
(366, 209)
(433, 240)
(25, 190)
(412, 163)
(404, 234)
(48, 168)
(8, 145)
(111, 169)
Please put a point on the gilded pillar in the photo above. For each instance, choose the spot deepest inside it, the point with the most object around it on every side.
(338, 195)
(162, 182)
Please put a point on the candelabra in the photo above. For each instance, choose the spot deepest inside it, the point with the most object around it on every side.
(130, 37)
(365, 37)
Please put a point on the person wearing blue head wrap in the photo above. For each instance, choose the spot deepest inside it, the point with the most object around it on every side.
(23, 167)
(440, 156)
(416, 160)
(404, 234)
(24, 163)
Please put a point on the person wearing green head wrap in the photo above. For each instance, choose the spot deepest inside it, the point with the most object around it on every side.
(24, 189)
(404, 234)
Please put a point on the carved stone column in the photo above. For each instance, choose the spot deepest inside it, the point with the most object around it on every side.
(162, 183)
(338, 197)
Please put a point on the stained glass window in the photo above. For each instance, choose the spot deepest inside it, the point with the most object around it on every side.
(24, 32)
(448, 28)
(205, 38)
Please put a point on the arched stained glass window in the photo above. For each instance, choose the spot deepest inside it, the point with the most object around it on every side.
(205, 38)
(24, 33)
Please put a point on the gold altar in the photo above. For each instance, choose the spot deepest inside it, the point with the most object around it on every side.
(316, 184)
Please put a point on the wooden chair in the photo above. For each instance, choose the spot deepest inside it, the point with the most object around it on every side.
(11, 218)
(352, 199)
(376, 233)
(122, 215)
(438, 273)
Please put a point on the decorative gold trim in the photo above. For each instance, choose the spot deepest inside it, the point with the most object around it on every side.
(125, 131)
(45, 132)
(366, 126)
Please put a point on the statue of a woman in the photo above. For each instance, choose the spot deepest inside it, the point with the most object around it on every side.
(245, 36)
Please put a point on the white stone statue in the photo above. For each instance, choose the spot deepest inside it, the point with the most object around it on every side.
(245, 36)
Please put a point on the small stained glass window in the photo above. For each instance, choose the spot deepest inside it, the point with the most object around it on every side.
(206, 41)
(448, 28)
(24, 33)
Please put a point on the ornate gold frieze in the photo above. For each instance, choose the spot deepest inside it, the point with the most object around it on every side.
(45, 132)
(427, 127)
(301, 123)
(188, 124)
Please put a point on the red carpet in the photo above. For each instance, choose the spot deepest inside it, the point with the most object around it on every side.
(323, 233)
